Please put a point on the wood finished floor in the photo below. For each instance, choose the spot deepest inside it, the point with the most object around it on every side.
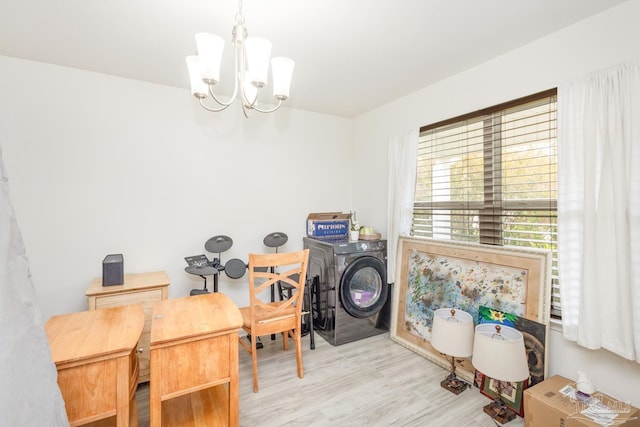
(370, 382)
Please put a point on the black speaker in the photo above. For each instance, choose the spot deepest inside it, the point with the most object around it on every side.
(113, 270)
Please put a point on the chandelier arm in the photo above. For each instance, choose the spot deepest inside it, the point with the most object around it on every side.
(213, 110)
(235, 87)
(245, 100)
(243, 96)
(225, 104)
(246, 110)
(255, 107)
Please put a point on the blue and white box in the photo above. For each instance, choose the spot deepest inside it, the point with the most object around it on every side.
(328, 225)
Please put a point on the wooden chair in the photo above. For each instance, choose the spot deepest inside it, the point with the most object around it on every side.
(266, 318)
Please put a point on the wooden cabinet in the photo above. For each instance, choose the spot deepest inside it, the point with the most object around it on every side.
(194, 362)
(143, 289)
(95, 355)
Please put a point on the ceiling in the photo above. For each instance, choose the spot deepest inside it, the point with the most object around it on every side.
(351, 55)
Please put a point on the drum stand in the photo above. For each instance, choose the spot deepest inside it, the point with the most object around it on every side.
(200, 291)
(203, 270)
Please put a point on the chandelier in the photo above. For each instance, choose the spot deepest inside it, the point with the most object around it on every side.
(251, 62)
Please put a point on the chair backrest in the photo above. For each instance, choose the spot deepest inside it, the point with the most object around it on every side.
(266, 270)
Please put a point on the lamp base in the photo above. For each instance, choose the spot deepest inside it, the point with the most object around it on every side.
(454, 385)
(499, 412)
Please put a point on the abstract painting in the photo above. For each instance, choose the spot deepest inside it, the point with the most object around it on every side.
(435, 274)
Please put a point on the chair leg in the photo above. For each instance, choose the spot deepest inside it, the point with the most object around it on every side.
(297, 338)
(254, 360)
(285, 340)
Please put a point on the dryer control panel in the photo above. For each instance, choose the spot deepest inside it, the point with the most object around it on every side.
(360, 246)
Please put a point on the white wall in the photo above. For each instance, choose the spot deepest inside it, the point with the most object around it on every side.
(100, 165)
(599, 42)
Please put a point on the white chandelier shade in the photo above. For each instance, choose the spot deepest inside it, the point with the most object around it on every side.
(210, 47)
(282, 69)
(258, 52)
(251, 69)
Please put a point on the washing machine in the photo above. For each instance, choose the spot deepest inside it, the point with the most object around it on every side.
(350, 297)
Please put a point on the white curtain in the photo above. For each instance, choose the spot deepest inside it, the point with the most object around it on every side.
(29, 393)
(599, 209)
(403, 151)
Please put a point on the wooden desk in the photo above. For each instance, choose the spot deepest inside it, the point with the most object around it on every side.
(143, 289)
(95, 354)
(194, 362)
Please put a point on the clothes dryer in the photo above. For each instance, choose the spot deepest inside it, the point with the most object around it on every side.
(350, 295)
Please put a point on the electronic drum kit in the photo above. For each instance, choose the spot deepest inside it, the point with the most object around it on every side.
(200, 265)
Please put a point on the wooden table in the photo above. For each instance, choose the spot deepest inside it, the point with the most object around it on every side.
(95, 354)
(194, 362)
(140, 288)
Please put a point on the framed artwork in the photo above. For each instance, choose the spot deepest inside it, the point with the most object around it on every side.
(434, 274)
(535, 339)
(511, 393)
(477, 379)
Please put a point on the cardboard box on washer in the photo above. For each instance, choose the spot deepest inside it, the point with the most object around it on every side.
(546, 406)
(328, 225)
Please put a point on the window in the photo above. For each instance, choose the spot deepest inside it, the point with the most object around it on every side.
(491, 177)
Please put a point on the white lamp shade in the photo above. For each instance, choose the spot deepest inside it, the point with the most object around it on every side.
(500, 355)
(210, 48)
(198, 87)
(258, 51)
(282, 70)
(452, 333)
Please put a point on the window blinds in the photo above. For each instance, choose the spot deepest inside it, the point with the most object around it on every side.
(491, 177)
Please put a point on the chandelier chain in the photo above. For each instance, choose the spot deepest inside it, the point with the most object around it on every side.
(239, 14)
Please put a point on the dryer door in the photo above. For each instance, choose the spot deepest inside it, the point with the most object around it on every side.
(363, 287)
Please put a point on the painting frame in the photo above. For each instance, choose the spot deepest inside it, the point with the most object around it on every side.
(535, 292)
(513, 400)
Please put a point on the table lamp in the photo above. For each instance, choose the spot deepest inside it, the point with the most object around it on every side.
(452, 335)
(499, 353)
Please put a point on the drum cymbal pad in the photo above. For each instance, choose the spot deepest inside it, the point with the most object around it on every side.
(218, 244)
(276, 239)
